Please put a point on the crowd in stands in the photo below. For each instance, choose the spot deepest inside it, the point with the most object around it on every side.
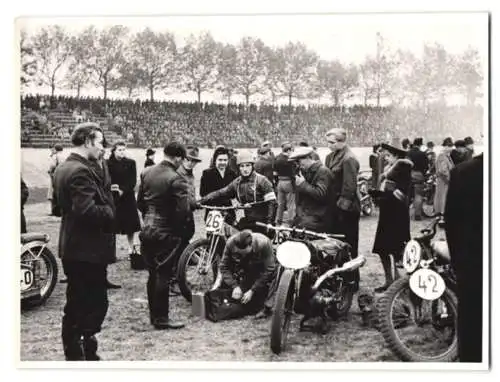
(146, 123)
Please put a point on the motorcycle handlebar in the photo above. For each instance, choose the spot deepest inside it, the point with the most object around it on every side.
(237, 207)
(300, 230)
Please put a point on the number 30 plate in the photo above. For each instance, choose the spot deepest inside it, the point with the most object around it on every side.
(427, 284)
(214, 221)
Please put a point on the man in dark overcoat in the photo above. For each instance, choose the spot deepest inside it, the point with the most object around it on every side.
(86, 242)
(163, 200)
(24, 198)
(344, 197)
(464, 233)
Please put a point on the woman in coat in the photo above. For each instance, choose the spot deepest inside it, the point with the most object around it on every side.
(393, 229)
(218, 177)
(444, 164)
(123, 173)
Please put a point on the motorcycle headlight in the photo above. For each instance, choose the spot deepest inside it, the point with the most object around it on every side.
(412, 255)
(293, 255)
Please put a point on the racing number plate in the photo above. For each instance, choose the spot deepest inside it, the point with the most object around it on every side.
(427, 284)
(26, 279)
(214, 221)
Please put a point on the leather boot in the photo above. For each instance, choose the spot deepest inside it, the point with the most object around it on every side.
(72, 343)
(162, 324)
(90, 348)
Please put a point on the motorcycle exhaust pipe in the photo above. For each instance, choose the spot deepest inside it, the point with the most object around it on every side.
(347, 267)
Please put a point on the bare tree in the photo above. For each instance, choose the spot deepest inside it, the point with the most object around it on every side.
(336, 80)
(155, 55)
(28, 61)
(467, 75)
(107, 51)
(130, 79)
(250, 64)
(51, 51)
(376, 72)
(198, 64)
(295, 66)
(79, 71)
(226, 71)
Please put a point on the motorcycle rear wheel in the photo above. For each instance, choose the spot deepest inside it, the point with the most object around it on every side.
(283, 310)
(47, 275)
(387, 324)
(189, 262)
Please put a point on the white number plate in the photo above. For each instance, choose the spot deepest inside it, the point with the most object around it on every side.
(214, 221)
(26, 279)
(427, 284)
(411, 256)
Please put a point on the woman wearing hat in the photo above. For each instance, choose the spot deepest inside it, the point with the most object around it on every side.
(150, 155)
(123, 173)
(444, 164)
(393, 229)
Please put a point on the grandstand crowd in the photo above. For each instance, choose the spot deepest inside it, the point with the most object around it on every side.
(146, 123)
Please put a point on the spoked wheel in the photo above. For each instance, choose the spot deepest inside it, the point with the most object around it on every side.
(197, 267)
(283, 310)
(43, 266)
(418, 330)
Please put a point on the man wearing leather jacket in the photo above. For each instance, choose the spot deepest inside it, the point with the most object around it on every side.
(163, 200)
(249, 188)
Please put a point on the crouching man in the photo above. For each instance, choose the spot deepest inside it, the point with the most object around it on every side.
(248, 267)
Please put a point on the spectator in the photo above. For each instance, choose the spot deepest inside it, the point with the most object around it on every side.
(285, 172)
(314, 154)
(420, 167)
(123, 174)
(264, 164)
(344, 195)
(431, 157)
(86, 243)
(405, 144)
(24, 197)
(444, 164)
(469, 145)
(464, 234)
(460, 153)
(56, 158)
(150, 156)
(393, 228)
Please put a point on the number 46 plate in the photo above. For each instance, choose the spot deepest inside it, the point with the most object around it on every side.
(427, 284)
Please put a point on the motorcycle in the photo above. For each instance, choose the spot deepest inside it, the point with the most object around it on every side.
(38, 269)
(313, 280)
(367, 204)
(417, 314)
(197, 265)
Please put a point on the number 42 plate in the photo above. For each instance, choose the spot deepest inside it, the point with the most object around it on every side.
(427, 284)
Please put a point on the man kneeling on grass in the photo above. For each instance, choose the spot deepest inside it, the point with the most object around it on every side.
(248, 267)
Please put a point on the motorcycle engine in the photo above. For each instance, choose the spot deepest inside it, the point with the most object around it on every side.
(324, 302)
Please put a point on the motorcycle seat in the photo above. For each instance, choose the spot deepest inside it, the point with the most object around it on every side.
(440, 247)
(29, 237)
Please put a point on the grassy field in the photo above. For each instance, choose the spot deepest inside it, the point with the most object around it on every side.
(128, 336)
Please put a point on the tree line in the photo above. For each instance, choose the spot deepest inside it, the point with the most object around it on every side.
(113, 58)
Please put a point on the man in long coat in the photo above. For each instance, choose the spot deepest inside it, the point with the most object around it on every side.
(344, 196)
(444, 165)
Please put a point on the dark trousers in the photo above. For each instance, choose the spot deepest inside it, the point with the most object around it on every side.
(23, 222)
(85, 309)
(347, 223)
(160, 254)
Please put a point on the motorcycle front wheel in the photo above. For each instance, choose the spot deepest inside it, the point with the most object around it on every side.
(44, 267)
(418, 330)
(283, 310)
(193, 271)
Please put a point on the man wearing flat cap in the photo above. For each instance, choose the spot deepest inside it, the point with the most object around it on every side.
(186, 171)
(264, 164)
(344, 196)
(163, 200)
(312, 192)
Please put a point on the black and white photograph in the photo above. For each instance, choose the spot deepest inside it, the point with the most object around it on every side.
(264, 189)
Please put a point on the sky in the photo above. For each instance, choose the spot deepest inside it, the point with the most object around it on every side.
(346, 37)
